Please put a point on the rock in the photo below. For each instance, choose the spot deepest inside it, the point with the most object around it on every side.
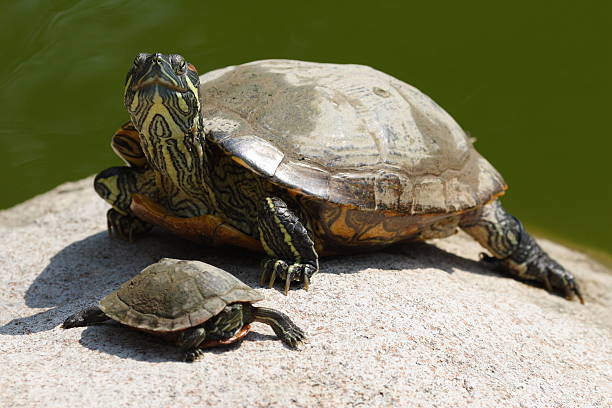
(421, 325)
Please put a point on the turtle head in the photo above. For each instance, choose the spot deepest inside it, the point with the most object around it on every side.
(161, 93)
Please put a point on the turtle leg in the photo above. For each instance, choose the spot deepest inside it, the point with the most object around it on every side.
(191, 341)
(126, 144)
(291, 251)
(86, 317)
(116, 185)
(282, 325)
(126, 226)
(224, 328)
(515, 252)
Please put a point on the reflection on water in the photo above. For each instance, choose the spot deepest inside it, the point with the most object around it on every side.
(530, 81)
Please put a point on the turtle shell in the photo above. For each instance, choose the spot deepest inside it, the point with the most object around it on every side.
(348, 134)
(173, 295)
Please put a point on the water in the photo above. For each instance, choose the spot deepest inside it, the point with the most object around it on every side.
(530, 80)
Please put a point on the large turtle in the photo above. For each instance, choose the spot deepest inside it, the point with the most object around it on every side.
(190, 304)
(301, 159)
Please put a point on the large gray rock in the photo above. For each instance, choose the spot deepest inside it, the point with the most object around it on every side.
(414, 326)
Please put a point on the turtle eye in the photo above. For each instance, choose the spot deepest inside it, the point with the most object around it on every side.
(140, 59)
(179, 64)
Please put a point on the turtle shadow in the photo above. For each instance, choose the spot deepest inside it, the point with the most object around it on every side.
(128, 344)
(430, 256)
(113, 339)
(398, 257)
(403, 256)
(425, 255)
(84, 271)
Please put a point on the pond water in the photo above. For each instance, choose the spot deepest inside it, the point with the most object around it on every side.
(530, 80)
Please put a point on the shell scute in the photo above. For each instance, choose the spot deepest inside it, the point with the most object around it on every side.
(174, 295)
(348, 134)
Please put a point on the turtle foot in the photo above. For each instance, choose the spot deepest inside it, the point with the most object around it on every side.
(193, 355)
(293, 336)
(541, 269)
(277, 268)
(126, 226)
(284, 328)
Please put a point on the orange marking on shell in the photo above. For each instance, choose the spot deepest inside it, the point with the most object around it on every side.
(207, 229)
(496, 196)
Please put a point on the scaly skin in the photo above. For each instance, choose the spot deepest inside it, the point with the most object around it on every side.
(515, 252)
(291, 251)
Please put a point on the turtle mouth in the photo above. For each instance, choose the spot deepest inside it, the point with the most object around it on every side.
(157, 81)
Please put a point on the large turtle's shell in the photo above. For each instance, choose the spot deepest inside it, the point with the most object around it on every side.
(345, 133)
(173, 295)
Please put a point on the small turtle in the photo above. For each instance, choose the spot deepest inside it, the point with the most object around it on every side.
(299, 159)
(190, 304)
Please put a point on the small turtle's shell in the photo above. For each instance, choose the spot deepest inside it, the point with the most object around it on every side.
(173, 295)
(347, 134)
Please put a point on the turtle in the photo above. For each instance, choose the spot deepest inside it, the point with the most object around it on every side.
(190, 304)
(299, 160)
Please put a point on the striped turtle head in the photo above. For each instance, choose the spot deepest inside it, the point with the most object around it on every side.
(162, 98)
(162, 86)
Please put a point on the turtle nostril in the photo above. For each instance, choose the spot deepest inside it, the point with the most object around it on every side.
(157, 58)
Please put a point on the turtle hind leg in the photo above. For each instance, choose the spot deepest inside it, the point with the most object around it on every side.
(86, 317)
(291, 251)
(515, 252)
(283, 327)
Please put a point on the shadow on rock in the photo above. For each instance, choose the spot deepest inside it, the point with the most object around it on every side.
(126, 343)
(414, 255)
(423, 255)
(87, 270)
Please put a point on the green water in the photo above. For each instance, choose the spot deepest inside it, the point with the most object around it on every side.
(530, 80)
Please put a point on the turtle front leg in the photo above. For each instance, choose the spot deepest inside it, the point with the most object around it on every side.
(283, 327)
(515, 252)
(291, 251)
(126, 226)
(116, 185)
(86, 317)
(190, 343)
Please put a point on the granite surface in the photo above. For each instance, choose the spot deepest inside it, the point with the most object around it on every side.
(421, 325)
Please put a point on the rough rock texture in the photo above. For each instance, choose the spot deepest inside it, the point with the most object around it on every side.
(413, 326)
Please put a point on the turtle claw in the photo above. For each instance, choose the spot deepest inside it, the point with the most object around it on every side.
(193, 355)
(273, 268)
(554, 276)
(125, 226)
(272, 279)
(579, 295)
(294, 338)
(306, 282)
(287, 285)
(542, 269)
